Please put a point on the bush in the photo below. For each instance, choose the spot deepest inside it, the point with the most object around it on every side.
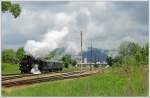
(130, 53)
(67, 60)
(9, 56)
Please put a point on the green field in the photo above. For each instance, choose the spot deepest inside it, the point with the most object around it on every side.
(113, 82)
(10, 68)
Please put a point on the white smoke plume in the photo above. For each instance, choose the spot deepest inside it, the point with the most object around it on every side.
(72, 48)
(50, 41)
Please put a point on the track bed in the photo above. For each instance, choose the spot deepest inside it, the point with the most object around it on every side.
(32, 79)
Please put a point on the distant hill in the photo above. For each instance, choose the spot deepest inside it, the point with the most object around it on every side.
(91, 56)
(95, 55)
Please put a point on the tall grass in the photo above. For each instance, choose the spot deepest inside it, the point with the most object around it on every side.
(131, 81)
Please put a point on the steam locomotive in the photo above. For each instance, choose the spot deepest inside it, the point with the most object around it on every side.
(28, 62)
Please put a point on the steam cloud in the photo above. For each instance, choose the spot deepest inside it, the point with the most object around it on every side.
(50, 41)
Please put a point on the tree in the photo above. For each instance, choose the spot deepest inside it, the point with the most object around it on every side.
(130, 53)
(9, 56)
(14, 9)
(20, 53)
(73, 62)
(109, 60)
(6, 6)
(133, 54)
(128, 48)
(144, 54)
(66, 60)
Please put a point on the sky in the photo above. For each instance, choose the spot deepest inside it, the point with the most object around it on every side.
(105, 24)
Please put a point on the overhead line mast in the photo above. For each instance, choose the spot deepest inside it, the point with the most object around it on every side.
(81, 54)
(91, 56)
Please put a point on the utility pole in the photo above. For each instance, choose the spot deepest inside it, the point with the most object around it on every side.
(91, 57)
(81, 54)
(95, 58)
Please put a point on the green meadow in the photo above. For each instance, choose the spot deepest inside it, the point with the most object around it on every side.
(118, 81)
(10, 68)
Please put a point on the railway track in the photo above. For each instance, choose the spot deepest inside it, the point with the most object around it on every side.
(12, 77)
(15, 76)
(37, 79)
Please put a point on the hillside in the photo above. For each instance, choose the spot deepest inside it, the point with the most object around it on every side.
(92, 55)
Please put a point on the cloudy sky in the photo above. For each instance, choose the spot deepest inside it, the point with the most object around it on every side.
(106, 24)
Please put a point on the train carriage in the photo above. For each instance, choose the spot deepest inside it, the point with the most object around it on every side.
(28, 62)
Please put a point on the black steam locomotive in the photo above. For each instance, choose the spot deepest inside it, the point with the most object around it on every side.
(28, 62)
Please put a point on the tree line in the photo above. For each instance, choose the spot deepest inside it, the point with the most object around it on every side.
(130, 53)
(11, 56)
(14, 57)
